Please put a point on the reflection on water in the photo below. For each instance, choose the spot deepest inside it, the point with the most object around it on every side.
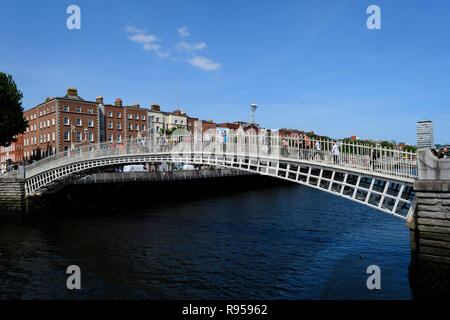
(243, 238)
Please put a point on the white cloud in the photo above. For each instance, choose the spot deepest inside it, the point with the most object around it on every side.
(204, 63)
(183, 31)
(183, 45)
(141, 36)
(134, 29)
(151, 47)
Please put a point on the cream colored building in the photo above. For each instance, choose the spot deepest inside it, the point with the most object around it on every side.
(159, 120)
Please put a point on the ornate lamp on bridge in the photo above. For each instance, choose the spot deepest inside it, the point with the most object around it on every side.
(252, 120)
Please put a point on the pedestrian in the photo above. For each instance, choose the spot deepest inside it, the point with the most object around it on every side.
(373, 157)
(434, 152)
(318, 149)
(335, 151)
(443, 153)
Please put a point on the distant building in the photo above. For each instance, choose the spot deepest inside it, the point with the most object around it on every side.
(425, 137)
(13, 152)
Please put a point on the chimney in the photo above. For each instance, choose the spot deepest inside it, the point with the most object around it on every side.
(177, 112)
(135, 105)
(183, 113)
(72, 92)
(47, 99)
(118, 102)
(155, 107)
(99, 100)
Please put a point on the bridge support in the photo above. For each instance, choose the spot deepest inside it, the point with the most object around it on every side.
(430, 228)
(12, 198)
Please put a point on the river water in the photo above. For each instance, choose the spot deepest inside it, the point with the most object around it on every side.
(231, 238)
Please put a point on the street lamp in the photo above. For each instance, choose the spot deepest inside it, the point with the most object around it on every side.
(253, 107)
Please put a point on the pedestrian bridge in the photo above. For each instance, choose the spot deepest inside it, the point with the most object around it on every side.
(376, 177)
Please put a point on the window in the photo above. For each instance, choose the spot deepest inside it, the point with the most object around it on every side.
(40, 125)
(91, 111)
(143, 127)
(90, 123)
(181, 121)
(35, 127)
(130, 126)
(66, 148)
(91, 136)
(136, 127)
(78, 136)
(48, 136)
(66, 108)
(119, 137)
(136, 116)
(176, 121)
(157, 119)
(79, 122)
(118, 115)
(48, 123)
(53, 121)
(45, 123)
(66, 121)
(110, 125)
(110, 114)
(78, 109)
(66, 135)
(118, 125)
(143, 117)
(130, 137)
(130, 116)
(53, 136)
(110, 137)
(151, 118)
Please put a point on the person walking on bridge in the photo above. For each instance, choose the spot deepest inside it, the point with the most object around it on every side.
(335, 151)
(373, 157)
(318, 150)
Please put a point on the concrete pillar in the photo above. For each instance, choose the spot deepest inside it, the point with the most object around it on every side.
(430, 230)
(12, 197)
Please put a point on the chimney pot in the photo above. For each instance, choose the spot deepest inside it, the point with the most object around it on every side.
(71, 91)
(118, 102)
(99, 100)
(155, 107)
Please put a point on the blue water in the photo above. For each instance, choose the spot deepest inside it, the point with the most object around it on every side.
(212, 241)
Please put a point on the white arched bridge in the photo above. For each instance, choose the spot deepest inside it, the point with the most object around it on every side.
(374, 176)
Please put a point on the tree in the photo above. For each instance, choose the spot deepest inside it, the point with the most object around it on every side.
(11, 110)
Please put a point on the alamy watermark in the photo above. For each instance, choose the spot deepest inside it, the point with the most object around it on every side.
(374, 20)
(74, 280)
(74, 20)
(374, 280)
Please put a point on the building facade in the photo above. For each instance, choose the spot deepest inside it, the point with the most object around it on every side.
(13, 152)
(60, 124)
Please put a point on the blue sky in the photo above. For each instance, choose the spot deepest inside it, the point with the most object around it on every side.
(308, 64)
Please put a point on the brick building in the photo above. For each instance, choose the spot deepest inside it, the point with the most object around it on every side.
(59, 124)
(13, 152)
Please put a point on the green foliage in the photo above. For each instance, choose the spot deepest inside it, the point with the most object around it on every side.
(168, 132)
(11, 110)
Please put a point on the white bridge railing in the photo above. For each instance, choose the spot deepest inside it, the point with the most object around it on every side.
(396, 164)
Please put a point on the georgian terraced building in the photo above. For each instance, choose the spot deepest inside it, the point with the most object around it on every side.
(59, 124)
(63, 123)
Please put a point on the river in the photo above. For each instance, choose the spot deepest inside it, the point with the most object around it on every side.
(231, 238)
